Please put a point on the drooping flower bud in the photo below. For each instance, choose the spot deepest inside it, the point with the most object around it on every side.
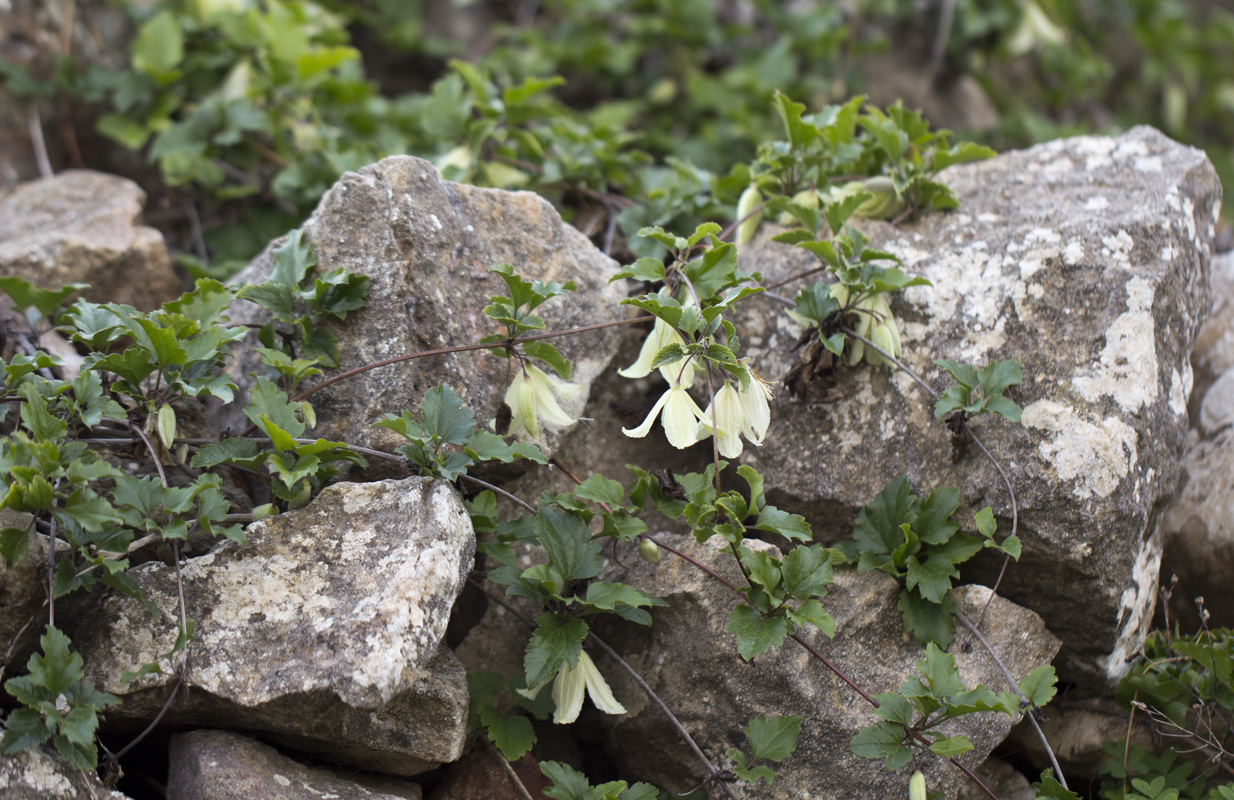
(749, 200)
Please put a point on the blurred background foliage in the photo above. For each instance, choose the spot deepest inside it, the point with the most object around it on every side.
(624, 113)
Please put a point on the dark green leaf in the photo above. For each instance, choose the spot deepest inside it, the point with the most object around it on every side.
(292, 260)
(811, 612)
(485, 446)
(568, 541)
(1039, 685)
(601, 490)
(806, 571)
(550, 645)
(791, 526)
(550, 355)
(755, 634)
(14, 544)
(932, 578)
(512, 734)
(877, 529)
(894, 708)
(882, 740)
(608, 595)
(567, 784)
(952, 746)
(750, 775)
(933, 523)
(929, 622)
(443, 415)
(773, 738)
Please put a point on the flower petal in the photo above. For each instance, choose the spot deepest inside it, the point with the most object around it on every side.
(645, 428)
(662, 334)
(546, 404)
(730, 419)
(680, 415)
(525, 409)
(517, 423)
(568, 692)
(757, 412)
(597, 687)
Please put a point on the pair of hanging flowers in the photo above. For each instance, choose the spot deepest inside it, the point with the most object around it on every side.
(733, 414)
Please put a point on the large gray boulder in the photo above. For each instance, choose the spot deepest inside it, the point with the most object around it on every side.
(1085, 259)
(323, 631)
(85, 227)
(693, 665)
(427, 246)
(39, 773)
(217, 765)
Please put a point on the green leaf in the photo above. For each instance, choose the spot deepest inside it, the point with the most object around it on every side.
(292, 260)
(549, 355)
(24, 728)
(89, 510)
(932, 523)
(750, 775)
(550, 645)
(714, 270)
(338, 292)
(932, 578)
(567, 784)
(44, 301)
(134, 365)
(773, 738)
(647, 269)
(998, 376)
(962, 152)
(894, 708)
(275, 297)
(790, 526)
(159, 47)
(806, 571)
(811, 612)
(952, 746)
(1001, 405)
(883, 740)
(929, 622)
(36, 419)
(14, 544)
(568, 541)
(512, 734)
(1050, 789)
(1039, 685)
(877, 529)
(601, 490)
(240, 452)
(964, 374)
(444, 417)
(755, 634)
(608, 595)
(270, 410)
(940, 672)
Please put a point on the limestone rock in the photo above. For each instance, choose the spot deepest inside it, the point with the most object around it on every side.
(1213, 353)
(216, 765)
(322, 631)
(39, 773)
(1001, 778)
(1085, 259)
(427, 246)
(693, 665)
(83, 226)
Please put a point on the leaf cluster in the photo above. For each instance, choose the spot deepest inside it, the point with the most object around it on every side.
(515, 312)
(772, 738)
(993, 380)
(908, 719)
(915, 541)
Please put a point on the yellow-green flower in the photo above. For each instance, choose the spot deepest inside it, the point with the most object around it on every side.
(531, 401)
(571, 684)
(737, 414)
(661, 336)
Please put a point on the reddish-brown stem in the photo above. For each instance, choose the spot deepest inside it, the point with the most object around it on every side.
(463, 348)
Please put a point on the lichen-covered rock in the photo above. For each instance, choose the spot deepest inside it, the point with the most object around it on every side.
(427, 246)
(217, 765)
(39, 773)
(1087, 261)
(693, 665)
(322, 631)
(82, 226)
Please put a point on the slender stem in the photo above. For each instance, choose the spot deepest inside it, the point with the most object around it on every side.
(809, 648)
(158, 464)
(508, 343)
(510, 773)
(1014, 687)
(499, 491)
(797, 277)
(153, 723)
(727, 232)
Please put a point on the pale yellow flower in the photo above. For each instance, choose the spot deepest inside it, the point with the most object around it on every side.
(681, 417)
(531, 401)
(570, 686)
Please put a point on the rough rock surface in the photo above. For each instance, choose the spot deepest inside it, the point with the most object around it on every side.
(39, 773)
(1076, 727)
(1085, 259)
(322, 630)
(481, 774)
(693, 665)
(83, 226)
(22, 594)
(217, 765)
(427, 246)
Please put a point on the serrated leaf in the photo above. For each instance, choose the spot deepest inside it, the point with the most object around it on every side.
(648, 269)
(551, 644)
(277, 298)
(1039, 686)
(962, 373)
(601, 490)
(940, 671)
(773, 738)
(791, 526)
(14, 544)
(882, 740)
(485, 446)
(1050, 789)
(806, 571)
(929, 622)
(241, 452)
(550, 355)
(932, 523)
(755, 634)
(512, 734)
(568, 541)
(292, 260)
(1005, 407)
(608, 595)
(714, 270)
(811, 612)
(894, 708)
(269, 409)
(877, 529)
(567, 783)
(932, 578)
(444, 416)
(750, 775)
(24, 728)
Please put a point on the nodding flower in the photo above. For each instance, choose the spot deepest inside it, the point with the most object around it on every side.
(569, 687)
(531, 401)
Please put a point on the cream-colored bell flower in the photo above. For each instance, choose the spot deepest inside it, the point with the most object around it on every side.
(681, 417)
(571, 684)
(661, 336)
(531, 401)
(738, 413)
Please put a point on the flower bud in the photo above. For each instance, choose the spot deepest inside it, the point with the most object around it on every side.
(917, 786)
(649, 551)
(807, 198)
(749, 200)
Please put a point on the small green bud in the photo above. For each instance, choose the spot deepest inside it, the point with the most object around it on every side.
(807, 198)
(167, 425)
(263, 511)
(649, 551)
(917, 786)
(749, 200)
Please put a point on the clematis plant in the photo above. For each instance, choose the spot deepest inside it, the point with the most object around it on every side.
(569, 687)
(738, 413)
(531, 400)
